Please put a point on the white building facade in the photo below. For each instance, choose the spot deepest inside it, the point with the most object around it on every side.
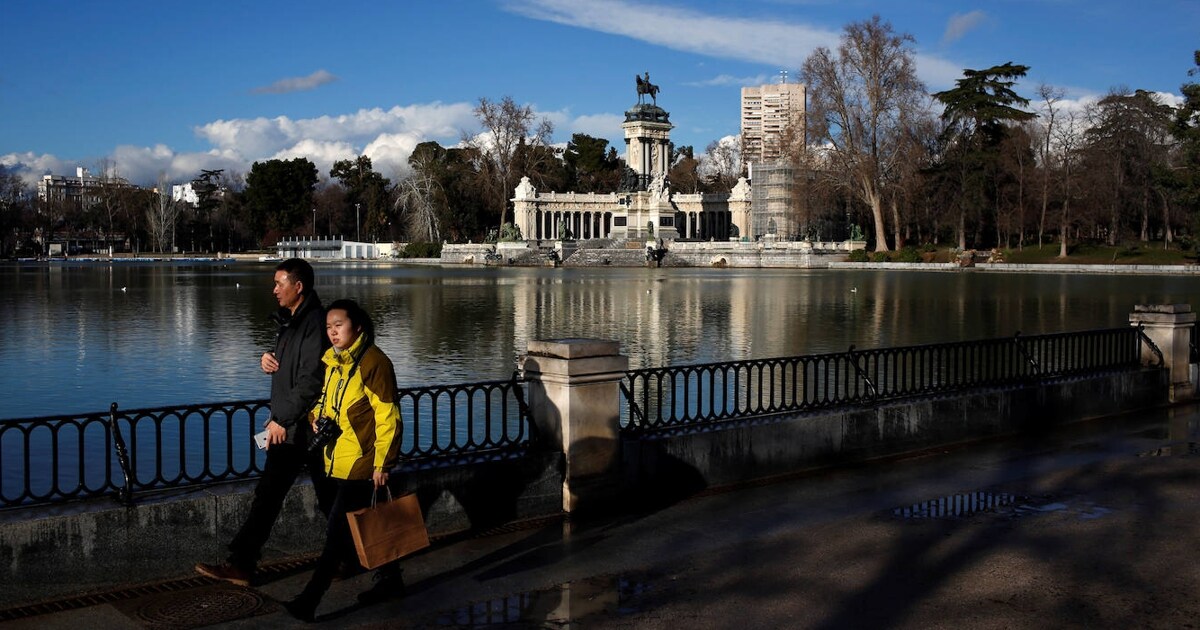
(645, 208)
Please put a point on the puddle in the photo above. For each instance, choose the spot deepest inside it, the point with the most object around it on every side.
(956, 505)
(564, 606)
(1174, 449)
(1011, 505)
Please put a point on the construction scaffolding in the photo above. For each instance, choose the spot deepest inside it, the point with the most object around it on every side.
(772, 201)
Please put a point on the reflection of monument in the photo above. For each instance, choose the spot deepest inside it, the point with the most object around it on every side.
(644, 207)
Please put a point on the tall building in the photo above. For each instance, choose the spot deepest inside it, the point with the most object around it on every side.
(772, 124)
(83, 190)
(772, 120)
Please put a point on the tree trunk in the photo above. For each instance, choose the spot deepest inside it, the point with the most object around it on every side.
(1062, 250)
(876, 202)
(896, 223)
(1045, 203)
(1168, 236)
(1021, 211)
(1145, 216)
(961, 228)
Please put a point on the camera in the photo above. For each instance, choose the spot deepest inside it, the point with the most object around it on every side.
(326, 431)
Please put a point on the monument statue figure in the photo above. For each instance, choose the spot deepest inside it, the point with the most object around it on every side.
(659, 189)
(644, 86)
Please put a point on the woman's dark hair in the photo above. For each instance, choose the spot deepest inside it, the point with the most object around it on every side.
(358, 318)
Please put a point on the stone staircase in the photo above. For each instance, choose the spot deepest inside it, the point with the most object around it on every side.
(607, 257)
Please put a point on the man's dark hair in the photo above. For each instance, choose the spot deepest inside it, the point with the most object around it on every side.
(298, 270)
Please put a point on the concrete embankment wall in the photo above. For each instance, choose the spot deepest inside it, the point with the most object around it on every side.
(761, 254)
(52, 552)
(666, 466)
(1185, 270)
(734, 254)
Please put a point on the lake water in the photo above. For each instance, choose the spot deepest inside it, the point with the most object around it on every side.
(77, 337)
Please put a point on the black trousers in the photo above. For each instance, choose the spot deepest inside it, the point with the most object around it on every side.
(348, 495)
(284, 463)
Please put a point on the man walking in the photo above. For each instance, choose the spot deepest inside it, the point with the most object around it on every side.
(296, 369)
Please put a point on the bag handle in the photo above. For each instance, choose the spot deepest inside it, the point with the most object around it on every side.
(375, 493)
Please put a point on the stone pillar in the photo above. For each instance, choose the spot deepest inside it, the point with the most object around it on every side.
(1169, 326)
(574, 396)
(739, 209)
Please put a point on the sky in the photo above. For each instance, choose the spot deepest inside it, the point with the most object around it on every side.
(163, 89)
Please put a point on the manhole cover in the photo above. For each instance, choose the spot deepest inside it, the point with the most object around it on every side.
(198, 607)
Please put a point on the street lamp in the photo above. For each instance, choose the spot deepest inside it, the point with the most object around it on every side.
(357, 229)
(314, 224)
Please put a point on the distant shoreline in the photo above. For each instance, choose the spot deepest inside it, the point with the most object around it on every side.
(1058, 268)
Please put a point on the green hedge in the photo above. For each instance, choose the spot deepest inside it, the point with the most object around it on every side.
(909, 255)
(422, 250)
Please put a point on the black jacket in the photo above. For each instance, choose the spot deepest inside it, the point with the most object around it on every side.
(298, 347)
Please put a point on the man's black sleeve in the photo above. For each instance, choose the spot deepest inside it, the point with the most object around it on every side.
(308, 375)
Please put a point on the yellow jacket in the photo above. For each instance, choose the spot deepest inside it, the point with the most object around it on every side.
(364, 405)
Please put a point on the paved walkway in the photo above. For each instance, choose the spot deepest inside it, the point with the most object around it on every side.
(1092, 527)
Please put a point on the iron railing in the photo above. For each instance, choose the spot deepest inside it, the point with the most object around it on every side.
(124, 452)
(668, 398)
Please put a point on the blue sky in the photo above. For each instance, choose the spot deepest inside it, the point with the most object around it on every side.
(170, 87)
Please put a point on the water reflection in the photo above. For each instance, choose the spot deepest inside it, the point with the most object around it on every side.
(956, 505)
(575, 604)
(73, 341)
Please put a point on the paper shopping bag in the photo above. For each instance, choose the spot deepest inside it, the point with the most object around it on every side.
(387, 531)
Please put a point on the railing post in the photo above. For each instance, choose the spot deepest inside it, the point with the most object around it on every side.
(1169, 327)
(574, 397)
(125, 492)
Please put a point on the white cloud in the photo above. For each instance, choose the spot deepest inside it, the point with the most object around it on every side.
(389, 153)
(322, 153)
(763, 41)
(960, 24)
(386, 136)
(297, 84)
(779, 43)
(725, 80)
(31, 166)
(266, 136)
(937, 74)
(1167, 98)
(598, 126)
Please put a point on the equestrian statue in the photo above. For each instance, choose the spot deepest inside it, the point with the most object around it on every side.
(644, 86)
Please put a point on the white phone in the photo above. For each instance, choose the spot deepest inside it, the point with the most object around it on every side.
(261, 439)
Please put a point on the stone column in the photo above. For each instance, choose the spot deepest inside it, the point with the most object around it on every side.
(1169, 326)
(574, 396)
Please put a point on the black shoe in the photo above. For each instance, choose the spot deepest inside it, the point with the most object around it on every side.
(347, 570)
(386, 586)
(301, 608)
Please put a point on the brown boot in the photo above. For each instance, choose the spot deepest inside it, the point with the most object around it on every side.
(226, 572)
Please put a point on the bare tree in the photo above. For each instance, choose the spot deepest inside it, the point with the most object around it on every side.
(506, 126)
(418, 198)
(161, 215)
(721, 164)
(1016, 155)
(914, 142)
(1068, 137)
(1050, 97)
(858, 98)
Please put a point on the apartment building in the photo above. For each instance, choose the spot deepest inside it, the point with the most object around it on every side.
(772, 121)
(83, 190)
